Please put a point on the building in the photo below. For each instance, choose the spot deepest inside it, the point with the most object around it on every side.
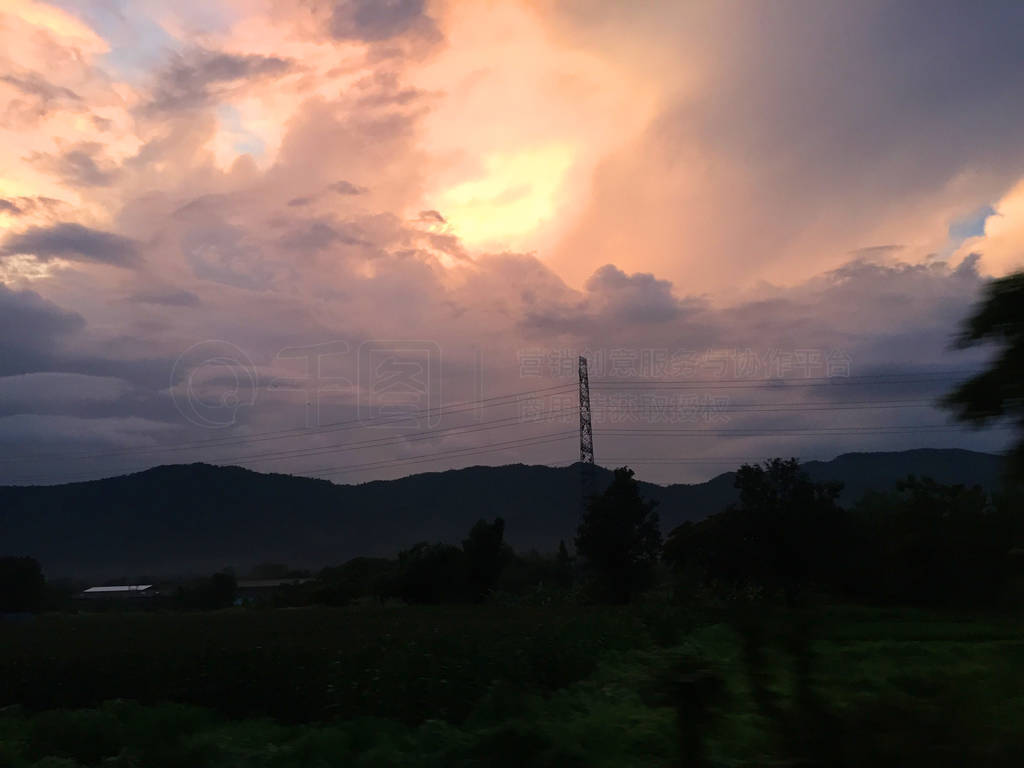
(120, 592)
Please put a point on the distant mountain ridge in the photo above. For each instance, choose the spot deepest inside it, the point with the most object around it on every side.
(184, 518)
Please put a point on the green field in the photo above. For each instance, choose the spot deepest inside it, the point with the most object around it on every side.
(491, 685)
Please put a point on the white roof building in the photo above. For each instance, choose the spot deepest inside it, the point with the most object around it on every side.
(125, 590)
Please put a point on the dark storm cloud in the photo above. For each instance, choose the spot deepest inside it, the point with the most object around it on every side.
(9, 207)
(378, 20)
(30, 330)
(75, 242)
(195, 79)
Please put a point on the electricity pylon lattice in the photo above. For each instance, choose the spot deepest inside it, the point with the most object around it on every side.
(586, 430)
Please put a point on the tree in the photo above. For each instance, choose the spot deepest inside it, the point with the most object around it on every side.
(486, 555)
(998, 392)
(21, 585)
(357, 578)
(214, 592)
(432, 574)
(925, 542)
(222, 589)
(782, 534)
(564, 564)
(618, 539)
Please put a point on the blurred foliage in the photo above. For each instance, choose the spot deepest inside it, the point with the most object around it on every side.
(998, 392)
(765, 685)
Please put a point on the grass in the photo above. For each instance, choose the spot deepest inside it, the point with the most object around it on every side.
(518, 686)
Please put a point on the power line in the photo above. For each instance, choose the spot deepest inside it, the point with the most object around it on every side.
(513, 398)
(456, 431)
(454, 408)
(510, 421)
(765, 407)
(635, 431)
(448, 410)
(779, 383)
(492, 447)
(754, 431)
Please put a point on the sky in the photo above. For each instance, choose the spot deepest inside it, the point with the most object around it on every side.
(361, 239)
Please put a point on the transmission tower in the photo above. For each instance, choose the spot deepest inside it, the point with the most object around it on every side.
(586, 430)
(586, 442)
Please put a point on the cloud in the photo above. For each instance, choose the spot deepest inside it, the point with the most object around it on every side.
(38, 206)
(380, 20)
(431, 217)
(638, 298)
(31, 392)
(1000, 247)
(346, 188)
(317, 235)
(32, 84)
(611, 302)
(54, 430)
(170, 297)
(31, 330)
(872, 251)
(83, 165)
(771, 158)
(198, 77)
(627, 178)
(75, 242)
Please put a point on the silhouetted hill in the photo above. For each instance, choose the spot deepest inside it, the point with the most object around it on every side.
(198, 518)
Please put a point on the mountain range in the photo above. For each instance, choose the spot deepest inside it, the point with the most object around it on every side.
(197, 518)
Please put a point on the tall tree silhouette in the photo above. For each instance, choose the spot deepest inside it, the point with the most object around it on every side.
(485, 556)
(619, 540)
(998, 392)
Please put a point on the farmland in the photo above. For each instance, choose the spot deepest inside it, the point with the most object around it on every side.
(548, 685)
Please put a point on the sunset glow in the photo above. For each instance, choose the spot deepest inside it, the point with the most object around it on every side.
(492, 177)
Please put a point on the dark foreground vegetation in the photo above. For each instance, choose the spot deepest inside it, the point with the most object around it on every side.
(449, 686)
